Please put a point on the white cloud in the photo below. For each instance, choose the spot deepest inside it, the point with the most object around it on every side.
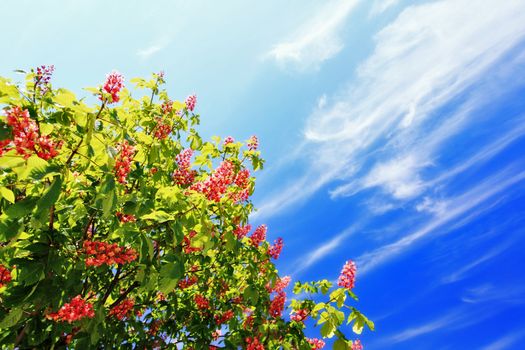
(318, 40)
(383, 130)
(455, 208)
(153, 49)
(381, 6)
(505, 342)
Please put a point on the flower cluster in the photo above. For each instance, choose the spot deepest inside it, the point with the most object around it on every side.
(188, 249)
(5, 276)
(184, 175)
(73, 311)
(356, 345)
(162, 130)
(277, 304)
(26, 136)
(122, 309)
(43, 77)
(347, 277)
(113, 84)
(126, 217)
(258, 236)
(242, 180)
(167, 107)
(123, 162)
(188, 282)
(202, 302)
(275, 250)
(316, 343)
(253, 344)
(299, 315)
(253, 143)
(228, 140)
(217, 184)
(241, 231)
(191, 101)
(281, 284)
(225, 317)
(109, 254)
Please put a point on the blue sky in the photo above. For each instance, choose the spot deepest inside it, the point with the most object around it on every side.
(393, 132)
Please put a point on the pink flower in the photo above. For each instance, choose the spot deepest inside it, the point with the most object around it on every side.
(299, 315)
(259, 235)
(228, 140)
(347, 277)
(113, 84)
(184, 176)
(191, 101)
(356, 345)
(316, 343)
(43, 77)
(275, 250)
(241, 231)
(253, 143)
(277, 304)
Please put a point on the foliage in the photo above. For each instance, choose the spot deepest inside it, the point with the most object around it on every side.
(111, 237)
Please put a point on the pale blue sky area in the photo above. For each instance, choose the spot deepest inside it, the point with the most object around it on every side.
(393, 132)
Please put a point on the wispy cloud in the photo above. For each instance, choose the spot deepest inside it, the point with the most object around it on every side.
(456, 207)
(383, 130)
(318, 40)
(505, 342)
(513, 294)
(381, 6)
(154, 48)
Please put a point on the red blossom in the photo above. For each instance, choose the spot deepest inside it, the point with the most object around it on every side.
(113, 84)
(106, 253)
(5, 276)
(275, 250)
(162, 130)
(188, 282)
(122, 309)
(167, 107)
(73, 311)
(277, 304)
(259, 235)
(26, 136)
(299, 315)
(126, 217)
(123, 161)
(228, 140)
(202, 302)
(241, 231)
(217, 184)
(253, 344)
(225, 317)
(347, 277)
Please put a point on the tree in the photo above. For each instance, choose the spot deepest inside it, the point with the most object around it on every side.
(121, 228)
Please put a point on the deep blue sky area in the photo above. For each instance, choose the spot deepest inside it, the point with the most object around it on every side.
(394, 134)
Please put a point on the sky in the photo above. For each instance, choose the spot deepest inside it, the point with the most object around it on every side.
(393, 133)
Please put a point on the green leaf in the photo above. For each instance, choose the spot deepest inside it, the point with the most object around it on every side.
(158, 216)
(30, 273)
(251, 295)
(8, 228)
(8, 161)
(328, 329)
(7, 194)
(170, 274)
(339, 296)
(21, 208)
(49, 198)
(11, 318)
(340, 344)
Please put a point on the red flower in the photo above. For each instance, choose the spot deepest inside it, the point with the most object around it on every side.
(123, 161)
(202, 302)
(241, 231)
(277, 304)
(122, 309)
(217, 184)
(299, 315)
(109, 254)
(253, 344)
(253, 143)
(126, 217)
(75, 310)
(5, 276)
(259, 235)
(184, 176)
(113, 84)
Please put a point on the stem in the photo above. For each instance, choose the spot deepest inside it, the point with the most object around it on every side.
(112, 284)
(125, 294)
(21, 335)
(51, 218)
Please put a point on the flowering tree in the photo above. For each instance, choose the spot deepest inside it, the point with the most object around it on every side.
(121, 228)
